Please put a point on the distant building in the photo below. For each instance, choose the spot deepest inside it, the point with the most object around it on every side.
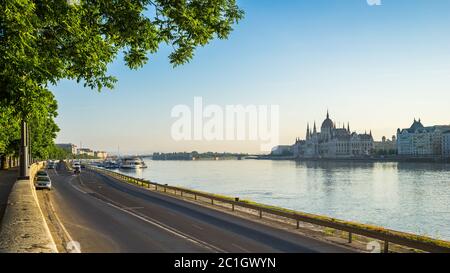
(386, 146)
(175, 156)
(446, 144)
(419, 140)
(332, 142)
(282, 150)
(101, 154)
(86, 151)
(69, 147)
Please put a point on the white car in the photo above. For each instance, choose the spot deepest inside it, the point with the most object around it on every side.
(43, 182)
(75, 164)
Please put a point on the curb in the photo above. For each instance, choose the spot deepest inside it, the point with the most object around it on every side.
(24, 229)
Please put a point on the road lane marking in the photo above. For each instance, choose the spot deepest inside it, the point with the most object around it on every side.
(241, 248)
(169, 229)
(133, 208)
(76, 247)
(149, 220)
(82, 184)
(76, 188)
(47, 229)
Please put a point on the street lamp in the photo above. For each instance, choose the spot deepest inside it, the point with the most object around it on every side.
(24, 172)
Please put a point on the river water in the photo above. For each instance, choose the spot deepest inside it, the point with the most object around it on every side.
(411, 197)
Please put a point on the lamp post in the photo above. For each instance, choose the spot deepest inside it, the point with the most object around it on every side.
(24, 172)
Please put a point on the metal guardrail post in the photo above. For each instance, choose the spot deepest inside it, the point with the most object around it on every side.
(386, 247)
(350, 235)
(298, 224)
(232, 207)
(260, 213)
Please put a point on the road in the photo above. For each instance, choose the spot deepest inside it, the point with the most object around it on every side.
(103, 214)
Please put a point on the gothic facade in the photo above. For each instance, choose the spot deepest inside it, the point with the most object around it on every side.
(332, 142)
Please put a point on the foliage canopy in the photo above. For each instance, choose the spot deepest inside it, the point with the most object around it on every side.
(44, 41)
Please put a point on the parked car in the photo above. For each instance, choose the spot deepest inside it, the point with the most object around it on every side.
(43, 182)
(41, 173)
(77, 169)
(50, 165)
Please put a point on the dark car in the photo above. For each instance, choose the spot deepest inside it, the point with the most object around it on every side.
(77, 170)
(41, 173)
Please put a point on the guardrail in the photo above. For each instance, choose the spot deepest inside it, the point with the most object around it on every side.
(410, 240)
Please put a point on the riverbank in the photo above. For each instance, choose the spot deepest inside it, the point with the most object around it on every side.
(360, 159)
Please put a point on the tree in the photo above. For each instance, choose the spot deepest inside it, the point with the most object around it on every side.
(44, 41)
(42, 133)
(9, 135)
(43, 130)
(56, 152)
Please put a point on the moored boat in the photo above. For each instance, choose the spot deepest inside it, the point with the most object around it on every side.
(132, 163)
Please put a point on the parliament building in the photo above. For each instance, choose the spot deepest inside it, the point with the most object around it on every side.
(333, 142)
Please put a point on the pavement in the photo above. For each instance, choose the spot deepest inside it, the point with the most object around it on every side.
(7, 179)
(23, 228)
(92, 212)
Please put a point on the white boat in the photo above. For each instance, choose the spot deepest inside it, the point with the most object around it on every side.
(132, 163)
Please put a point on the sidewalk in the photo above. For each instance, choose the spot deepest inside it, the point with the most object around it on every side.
(7, 179)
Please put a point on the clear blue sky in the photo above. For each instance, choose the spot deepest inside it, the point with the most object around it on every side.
(377, 67)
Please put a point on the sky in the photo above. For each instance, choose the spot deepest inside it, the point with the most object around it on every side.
(375, 66)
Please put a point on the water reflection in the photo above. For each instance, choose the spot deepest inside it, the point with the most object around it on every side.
(139, 173)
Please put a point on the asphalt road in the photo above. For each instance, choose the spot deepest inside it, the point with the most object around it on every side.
(105, 215)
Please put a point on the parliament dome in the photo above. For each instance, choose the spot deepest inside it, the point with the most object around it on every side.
(327, 123)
